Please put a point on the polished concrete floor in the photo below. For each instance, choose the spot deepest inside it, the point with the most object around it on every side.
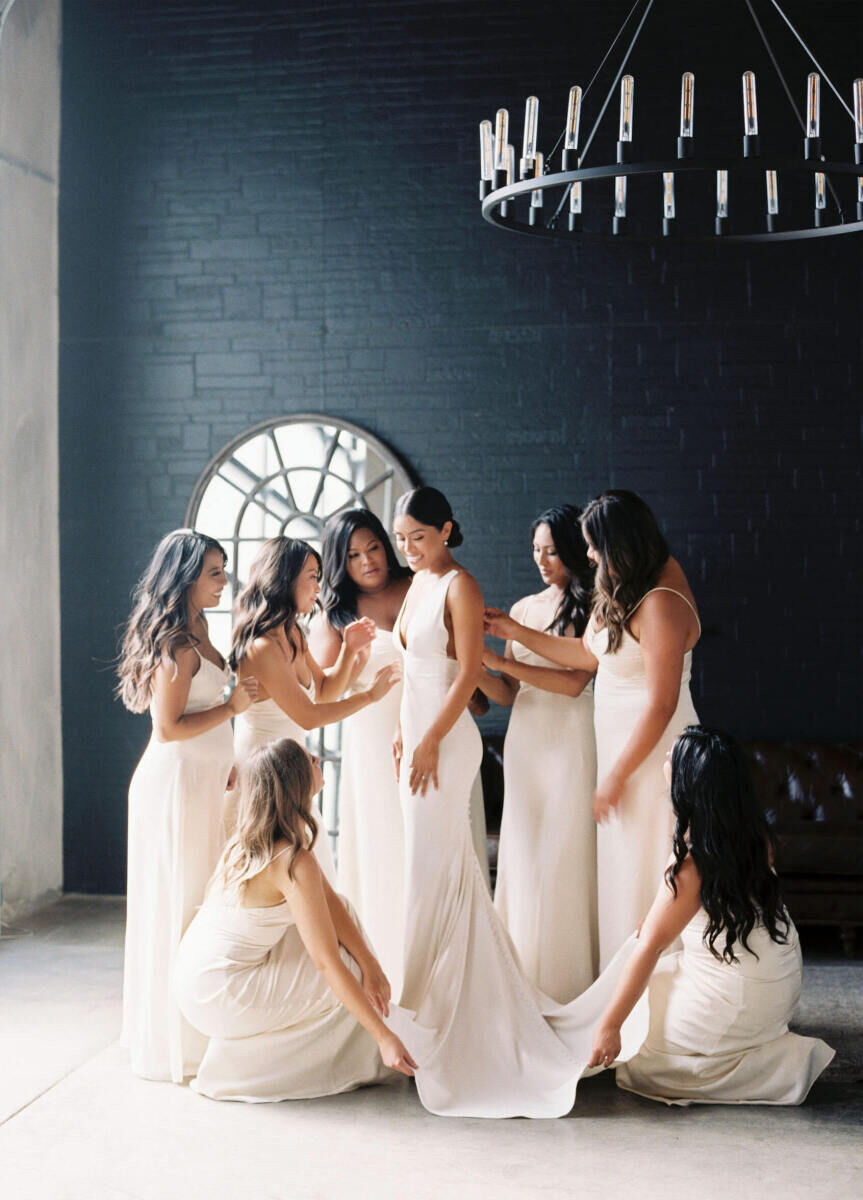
(77, 1126)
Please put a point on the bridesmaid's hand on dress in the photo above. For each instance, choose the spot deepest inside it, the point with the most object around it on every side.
(244, 694)
(376, 986)
(397, 753)
(395, 1055)
(499, 624)
(606, 798)
(424, 766)
(386, 678)
(359, 634)
(606, 1046)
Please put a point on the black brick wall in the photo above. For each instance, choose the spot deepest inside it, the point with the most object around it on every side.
(270, 208)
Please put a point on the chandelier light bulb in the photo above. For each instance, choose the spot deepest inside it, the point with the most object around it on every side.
(536, 194)
(573, 118)
(501, 138)
(620, 196)
(813, 105)
(858, 111)
(750, 105)
(687, 104)
(486, 150)
(531, 125)
(510, 164)
(627, 96)
(668, 195)
(772, 192)
(722, 194)
(575, 198)
(820, 190)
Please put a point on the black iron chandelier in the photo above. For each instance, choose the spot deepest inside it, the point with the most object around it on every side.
(546, 203)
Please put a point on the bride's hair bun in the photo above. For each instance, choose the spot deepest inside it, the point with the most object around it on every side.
(455, 538)
(430, 507)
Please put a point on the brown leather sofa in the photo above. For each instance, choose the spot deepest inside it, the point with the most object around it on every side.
(812, 793)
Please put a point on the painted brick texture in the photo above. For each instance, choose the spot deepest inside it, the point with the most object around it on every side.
(272, 208)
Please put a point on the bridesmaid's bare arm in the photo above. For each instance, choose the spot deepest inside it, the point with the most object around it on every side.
(171, 684)
(567, 651)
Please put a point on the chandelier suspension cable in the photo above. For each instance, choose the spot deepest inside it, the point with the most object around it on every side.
(814, 59)
(553, 219)
(616, 39)
(787, 90)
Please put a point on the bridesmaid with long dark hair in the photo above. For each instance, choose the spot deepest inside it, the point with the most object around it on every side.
(719, 1009)
(362, 578)
(169, 665)
(639, 641)
(295, 693)
(546, 879)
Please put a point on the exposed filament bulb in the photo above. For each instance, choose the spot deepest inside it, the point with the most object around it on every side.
(722, 193)
(620, 196)
(668, 195)
(501, 138)
(575, 197)
(772, 184)
(573, 119)
(750, 105)
(536, 194)
(858, 111)
(687, 104)
(486, 150)
(531, 125)
(820, 190)
(627, 97)
(813, 105)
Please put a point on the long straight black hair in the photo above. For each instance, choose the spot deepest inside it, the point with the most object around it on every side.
(564, 523)
(720, 823)
(267, 601)
(338, 590)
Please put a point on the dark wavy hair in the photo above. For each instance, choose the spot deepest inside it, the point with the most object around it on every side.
(338, 590)
(563, 521)
(158, 625)
(720, 823)
(267, 601)
(632, 552)
(430, 507)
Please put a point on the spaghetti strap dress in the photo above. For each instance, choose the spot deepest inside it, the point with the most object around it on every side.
(488, 1042)
(261, 723)
(546, 878)
(175, 839)
(633, 846)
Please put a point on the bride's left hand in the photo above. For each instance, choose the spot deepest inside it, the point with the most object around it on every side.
(376, 986)
(424, 766)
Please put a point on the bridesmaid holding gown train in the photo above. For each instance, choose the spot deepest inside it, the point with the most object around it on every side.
(274, 969)
(363, 578)
(639, 641)
(295, 695)
(720, 1008)
(546, 878)
(487, 1041)
(169, 665)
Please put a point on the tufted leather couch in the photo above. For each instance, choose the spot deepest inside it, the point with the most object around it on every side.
(812, 793)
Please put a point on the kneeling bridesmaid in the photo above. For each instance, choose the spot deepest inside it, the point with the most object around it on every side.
(273, 969)
(719, 1009)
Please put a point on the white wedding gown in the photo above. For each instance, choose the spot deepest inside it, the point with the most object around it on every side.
(546, 874)
(261, 723)
(488, 1043)
(175, 839)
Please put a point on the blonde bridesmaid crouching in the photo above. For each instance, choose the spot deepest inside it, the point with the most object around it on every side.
(274, 968)
(169, 665)
(719, 1009)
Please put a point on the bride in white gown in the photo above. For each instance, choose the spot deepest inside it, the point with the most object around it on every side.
(493, 1045)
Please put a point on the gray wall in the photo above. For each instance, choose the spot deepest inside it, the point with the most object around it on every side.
(271, 208)
(31, 788)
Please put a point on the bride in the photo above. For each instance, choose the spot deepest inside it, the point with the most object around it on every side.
(494, 1045)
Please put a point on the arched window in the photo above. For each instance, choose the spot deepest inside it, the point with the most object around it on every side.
(287, 476)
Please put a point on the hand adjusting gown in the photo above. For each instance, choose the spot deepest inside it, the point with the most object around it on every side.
(488, 1042)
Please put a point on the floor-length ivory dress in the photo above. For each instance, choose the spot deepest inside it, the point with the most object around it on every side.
(633, 846)
(719, 1031)
(261, 723)
(175, 838)
(277, 1030)
(546, 877)
(371, 832)
(492, 1044)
